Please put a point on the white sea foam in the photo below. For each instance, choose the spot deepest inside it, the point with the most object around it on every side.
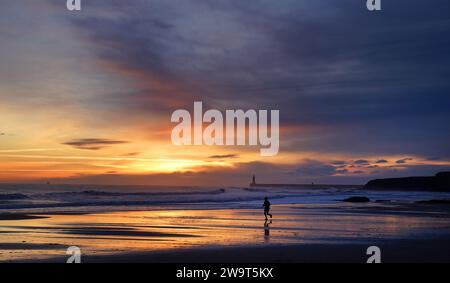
(49, 198)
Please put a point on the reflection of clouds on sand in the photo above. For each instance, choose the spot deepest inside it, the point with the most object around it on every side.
(169, 230)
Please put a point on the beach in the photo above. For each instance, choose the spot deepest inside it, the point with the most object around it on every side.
(324, 230)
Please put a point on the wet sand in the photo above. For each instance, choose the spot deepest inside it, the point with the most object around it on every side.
(298, 233)
(392, 251)
(18, 216)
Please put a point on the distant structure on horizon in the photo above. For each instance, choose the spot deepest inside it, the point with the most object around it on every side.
(253, 183)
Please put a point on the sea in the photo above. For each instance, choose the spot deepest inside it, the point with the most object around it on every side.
(48, 198)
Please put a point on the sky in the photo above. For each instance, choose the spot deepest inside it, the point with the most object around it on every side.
(86, 97)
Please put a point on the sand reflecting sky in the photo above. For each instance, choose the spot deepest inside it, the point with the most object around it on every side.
(124, 232)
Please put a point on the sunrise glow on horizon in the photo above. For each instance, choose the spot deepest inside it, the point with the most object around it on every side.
(86, 97)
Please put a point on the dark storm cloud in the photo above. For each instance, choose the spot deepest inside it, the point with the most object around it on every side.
(377, 82)
(93, 144)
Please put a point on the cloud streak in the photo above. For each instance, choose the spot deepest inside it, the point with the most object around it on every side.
(93, 143)
(224, 156)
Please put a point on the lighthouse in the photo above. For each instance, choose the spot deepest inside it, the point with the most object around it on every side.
(253, 183)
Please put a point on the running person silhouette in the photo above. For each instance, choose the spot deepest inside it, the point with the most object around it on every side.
(267, 208)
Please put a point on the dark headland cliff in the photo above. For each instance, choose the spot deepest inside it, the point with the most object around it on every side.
(439, 182)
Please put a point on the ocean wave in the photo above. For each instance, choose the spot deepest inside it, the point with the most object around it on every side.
(13, 196)
(136, 194)
(100, 203)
